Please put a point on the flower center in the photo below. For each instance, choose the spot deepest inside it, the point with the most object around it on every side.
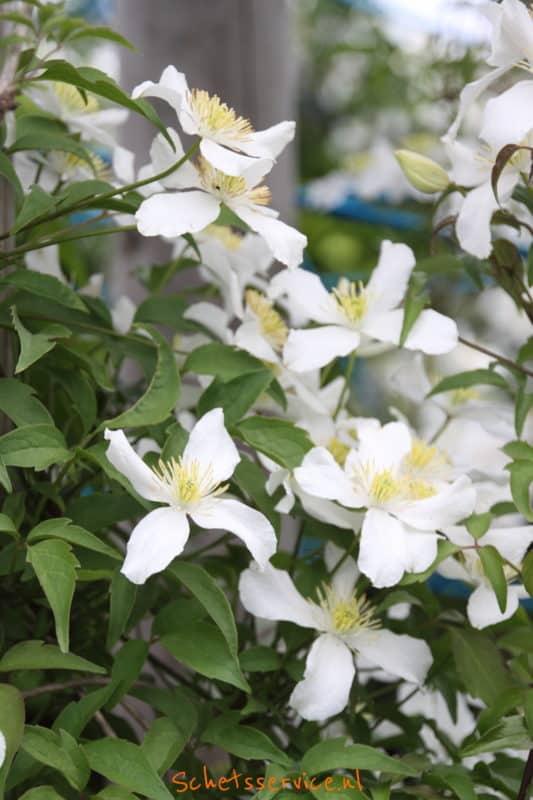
(188, 481)
(73, 101)
(69, 163)
(383, 486)
(230, 187)
(273, 326)
(347, 615)
(338, 450)
(460, 396)
(223, 234)
(216, 119)
(352, 299)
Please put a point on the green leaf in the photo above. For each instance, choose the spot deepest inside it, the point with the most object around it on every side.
(445, 548)
(46, 287)
(528, 710)
(493, 569)
(243, 741)
(463, 380)
(115, 793)
(8, 172)
(127, 666)
(222, 361)
(7, 526)
(42, 793)
(161, 396)
(126, 764)
(519, 451)
(35, 654)
(415, 301)
(236, 396)
(33, 346)
(250, 479)
(210, 595)
(123, 594)
(337, 754)
(36, 446)
(260, 659)
(100, 32)
(77, 714)
(202, 647)
(49, 139)
(164, 310)
(523, 405)
(479, 664)
(527, 573)
(508, 733)
(177, 438)
(18, 402)
(55, 567)
(58, 751)
(62, 528)
(11, 727)
(280, 440)
(455, 778)
(163, 743)
(521, 479)
(37, 203)
(478, 524)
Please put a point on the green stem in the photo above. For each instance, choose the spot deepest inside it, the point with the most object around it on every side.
(505, 361)
(347, 379)
(18, 251)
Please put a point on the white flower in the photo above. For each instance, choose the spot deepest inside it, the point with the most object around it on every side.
(347, 627)
(191, 486)
(227, 140)
(46, 261)
(201, 191)
(3, 748)
(122, 314)
(400, 481)
(512, 544)
(432, 705)
(354, 315)
(507, 119)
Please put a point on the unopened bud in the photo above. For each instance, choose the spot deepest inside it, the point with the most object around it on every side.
(422, 172)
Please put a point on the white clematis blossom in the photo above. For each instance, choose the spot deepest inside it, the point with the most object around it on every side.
(227, 141)
(354, 316)
(189, 487)
(346, 625)
(512, 543)
(196, 192)
(403, 482)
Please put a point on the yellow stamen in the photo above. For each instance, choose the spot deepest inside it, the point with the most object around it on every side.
(384, 486)
(347, 615)
(217, 118)
(72, 100)
(338, 450)
(272, 324)
(228, 187)
(464, 395)
(420, 490)
(351, 298)
(231, 241)
(188, 481)
(69, 163)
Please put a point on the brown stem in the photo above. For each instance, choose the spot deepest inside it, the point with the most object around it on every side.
(506, 361)
(73, 684)
(527, 777)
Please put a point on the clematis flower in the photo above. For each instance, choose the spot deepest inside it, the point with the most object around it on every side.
(512, 543)
(402, 482)
(197, 192)
(353, 314)
(507, 119)
(227, 141)
(191, 486)
(347, 627)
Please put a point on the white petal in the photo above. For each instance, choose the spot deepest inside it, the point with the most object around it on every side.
(46, 261)
(124, 458)
(3, 748)
(307, 295)
(451, 568)
(309, 349)
(507, 118)
(421, 549)
(173, 214)
(286, 243)
(401, 655)
(271, 594)
(345, 576)
(483, 609)
(123, 164)
(382, 552)
(270, 142)
(122, 314)
(211, 446)
(329, 512)
(154, 542)
(388, 282)
(467, 169)
(473, 221)
(171, 87)
(453, 503)
(512, 543)
(248, 524)
(469, 95)
(230, 162)
(459, 535)
(329, 673)
(248, 336)
(433, 333)
(512, 37)
(211, 317)
(383, 447)
(163, 156)
(320, 476)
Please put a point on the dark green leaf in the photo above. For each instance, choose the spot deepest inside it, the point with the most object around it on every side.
(126, 764)
(493, 569)
(479, 664)
(55, 567)
(34, 446)
(280, 440)
(474, 377)
(337, 754)
(37, 655)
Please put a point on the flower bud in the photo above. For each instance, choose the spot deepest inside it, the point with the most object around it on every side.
(423, 173)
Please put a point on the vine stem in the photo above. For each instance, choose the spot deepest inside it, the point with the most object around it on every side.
(18, 251)
(347, 379)
(502, 359)
(527, 777)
